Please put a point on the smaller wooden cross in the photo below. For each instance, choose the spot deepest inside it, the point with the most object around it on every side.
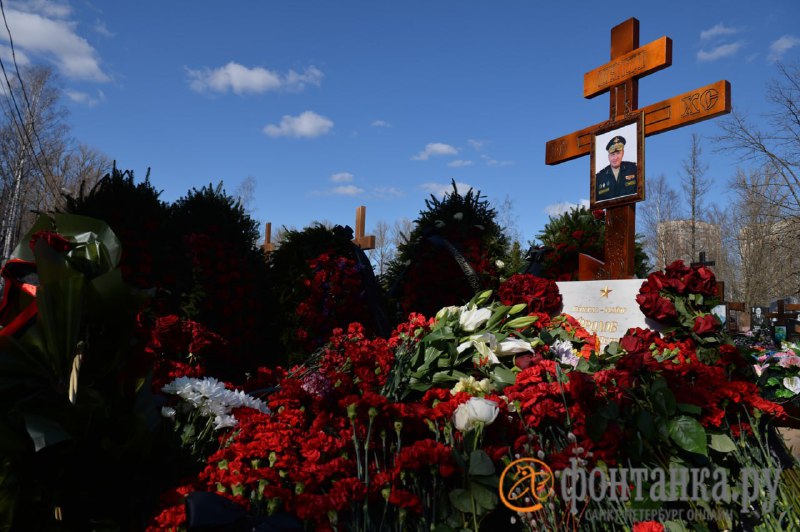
(268, 246)
(785, 312)
(703, 261)
(363, 241)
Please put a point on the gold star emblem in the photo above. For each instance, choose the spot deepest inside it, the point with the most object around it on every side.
(605, 291)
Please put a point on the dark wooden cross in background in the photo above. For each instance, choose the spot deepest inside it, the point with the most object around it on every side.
(365, 242)
(620, 77)
(703, 261)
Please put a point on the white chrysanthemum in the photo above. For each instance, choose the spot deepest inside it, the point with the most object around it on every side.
(212, 399)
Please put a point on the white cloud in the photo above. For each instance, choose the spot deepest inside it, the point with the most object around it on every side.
(781, 46)
(435, 148)
(380, 123)
(241, 80)
(440, 189)
(459, 163)
(101, 28)
(494, 162)
(307, 124)
(347, 190)
(342, 177)
(54, 39)
(47, 8)
(723, 50)
(476, 145)
(719, 30)
(5, 53)
(557, 209)
(387, 192)
(85, 98)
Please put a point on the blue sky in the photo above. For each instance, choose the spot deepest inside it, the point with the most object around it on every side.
(331, 105)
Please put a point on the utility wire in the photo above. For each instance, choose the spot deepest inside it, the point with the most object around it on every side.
(19, 76)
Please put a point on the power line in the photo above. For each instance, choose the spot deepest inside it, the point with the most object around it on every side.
(19, 76)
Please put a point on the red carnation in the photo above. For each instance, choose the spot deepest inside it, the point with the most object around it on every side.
(648, 526)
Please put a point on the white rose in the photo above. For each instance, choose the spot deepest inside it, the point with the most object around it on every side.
(471, 319)
(499, 264)
(476, 410)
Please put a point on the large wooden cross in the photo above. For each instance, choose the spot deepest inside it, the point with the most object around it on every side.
(620, 77)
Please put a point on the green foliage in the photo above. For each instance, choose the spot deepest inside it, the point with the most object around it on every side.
(579, 231)
(89, 453)
(425, 276)
(287, 269)
(212, 211)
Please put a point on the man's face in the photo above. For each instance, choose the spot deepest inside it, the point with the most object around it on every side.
(615, 158)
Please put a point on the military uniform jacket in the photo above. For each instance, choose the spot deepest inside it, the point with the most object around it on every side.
(607, 187)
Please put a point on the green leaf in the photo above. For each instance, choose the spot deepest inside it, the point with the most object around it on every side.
(497, 317)
(687, 408)
(688, 434)
(722, 443)
(44, 432)
(503, 376)
(485, 499)
(644, 421)
(664, 401)
(480, 463)
(461, 500)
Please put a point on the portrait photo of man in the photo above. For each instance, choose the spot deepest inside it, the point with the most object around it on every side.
(617, 164)
(618, 178)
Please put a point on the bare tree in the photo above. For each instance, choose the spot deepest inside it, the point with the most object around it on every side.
(384, 251)
(660, 207)
(39, 162)
(507, 220)
(401, 231)
(695, 185)
(777, 148)
(246, 193)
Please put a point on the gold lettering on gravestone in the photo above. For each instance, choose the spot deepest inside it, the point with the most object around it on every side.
(605, 308)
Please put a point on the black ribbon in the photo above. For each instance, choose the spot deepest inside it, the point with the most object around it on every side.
(206, 511)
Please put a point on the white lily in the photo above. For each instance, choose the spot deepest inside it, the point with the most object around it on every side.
(792, 384)
(472, 318)
(512, 346)
(446, 312)
(485, 344)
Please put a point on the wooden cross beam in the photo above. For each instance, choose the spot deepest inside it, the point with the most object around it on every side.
(362, 241)
(268, 246)
(703, 261)
(620, 77)
(785, 311)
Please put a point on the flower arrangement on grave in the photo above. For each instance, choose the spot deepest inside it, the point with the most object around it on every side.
(579, 230)
(323, 281)
(455, 250)
(199, 256)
